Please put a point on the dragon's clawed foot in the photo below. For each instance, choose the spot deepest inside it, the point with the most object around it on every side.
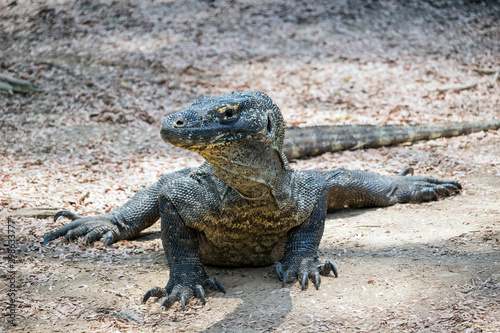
(90, 228)
(303, 269)
(423, 188)
(182, 292)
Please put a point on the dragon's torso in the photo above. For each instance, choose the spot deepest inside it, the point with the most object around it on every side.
(234, 231)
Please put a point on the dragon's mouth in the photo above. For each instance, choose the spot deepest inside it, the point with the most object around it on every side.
(197, 138)
(194, 134)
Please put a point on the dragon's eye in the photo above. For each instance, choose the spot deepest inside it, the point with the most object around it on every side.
(228, 113)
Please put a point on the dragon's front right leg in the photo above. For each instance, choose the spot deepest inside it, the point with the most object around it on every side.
(125, 222)
(187, 274)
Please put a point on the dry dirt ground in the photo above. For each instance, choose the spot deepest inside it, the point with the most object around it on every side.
(109, 71)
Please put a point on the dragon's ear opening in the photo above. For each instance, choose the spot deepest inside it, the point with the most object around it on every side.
(269, 125)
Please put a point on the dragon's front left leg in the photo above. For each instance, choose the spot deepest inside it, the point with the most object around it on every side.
(357, 188)
(300, 261)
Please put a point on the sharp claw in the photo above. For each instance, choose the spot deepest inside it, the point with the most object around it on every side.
(47, 239)
(109, 238)
(165, 303)
(316, 280)
(304, 280)
(334, 269)
(147, 295)
(452, 187)
(277, 269)
(201, 294)
(406, 171)
(327, 267)
(183, 302)
(66, 213)
(58, 214)
(219, 286)
(285, 278)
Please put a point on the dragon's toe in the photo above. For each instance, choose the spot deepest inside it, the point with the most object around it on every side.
(303, 269)
(154, 292)
(183, 292)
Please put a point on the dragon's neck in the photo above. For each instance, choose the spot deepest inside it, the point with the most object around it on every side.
(256, 173)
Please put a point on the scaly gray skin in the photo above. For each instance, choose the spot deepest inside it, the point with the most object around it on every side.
(244, 206)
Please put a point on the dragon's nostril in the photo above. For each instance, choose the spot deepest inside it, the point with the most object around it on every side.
(179, 123)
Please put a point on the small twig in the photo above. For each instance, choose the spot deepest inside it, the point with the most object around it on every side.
(39, 212)
(495, 78)
(43, 61)
(487, 70)
(85, 195)
(12, 197)
(11, 84)
(458, 87)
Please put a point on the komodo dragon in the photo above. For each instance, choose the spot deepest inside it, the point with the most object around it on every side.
(244, 206)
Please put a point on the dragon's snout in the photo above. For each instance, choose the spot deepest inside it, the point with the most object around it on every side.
(173, 121)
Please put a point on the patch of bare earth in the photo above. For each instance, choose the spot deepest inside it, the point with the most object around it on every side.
(110, 70)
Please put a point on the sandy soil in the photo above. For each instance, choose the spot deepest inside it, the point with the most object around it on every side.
(110, 70)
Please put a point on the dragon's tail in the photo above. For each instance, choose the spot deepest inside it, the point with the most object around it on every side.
(316, 140)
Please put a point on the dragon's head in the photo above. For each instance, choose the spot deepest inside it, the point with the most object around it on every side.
(241, 136)
(226, 120)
